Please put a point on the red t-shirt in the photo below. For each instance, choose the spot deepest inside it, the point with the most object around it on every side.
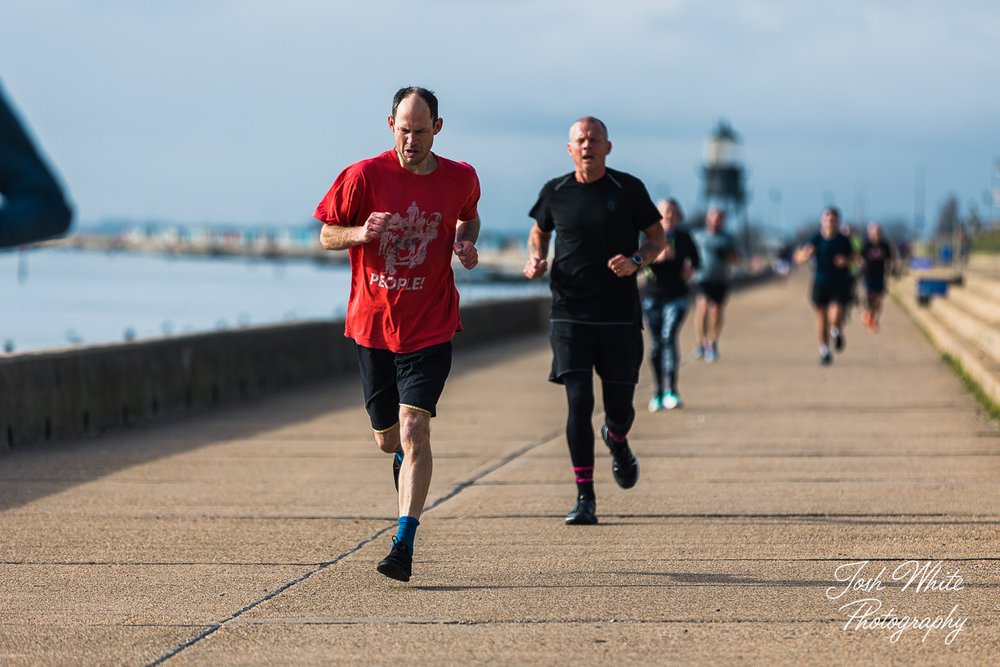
(403, 295)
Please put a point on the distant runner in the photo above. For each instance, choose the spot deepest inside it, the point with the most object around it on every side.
(833, 256)
(877, 258)
(718, 253)
(666, 302)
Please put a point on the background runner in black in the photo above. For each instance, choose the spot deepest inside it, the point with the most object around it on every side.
(832, 255)
(665, 302)
(876, 254)
(596, 214)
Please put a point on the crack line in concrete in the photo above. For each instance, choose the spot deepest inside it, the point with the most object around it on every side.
(119, 563)
(601, 623)
(461, 486)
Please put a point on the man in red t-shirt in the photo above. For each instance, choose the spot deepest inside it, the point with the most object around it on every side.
(401, 215)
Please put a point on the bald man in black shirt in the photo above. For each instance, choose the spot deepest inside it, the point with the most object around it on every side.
(597, 215)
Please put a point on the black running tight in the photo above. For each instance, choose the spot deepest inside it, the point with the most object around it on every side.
(618, 408)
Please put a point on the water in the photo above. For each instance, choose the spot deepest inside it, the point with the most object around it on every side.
(54, 298)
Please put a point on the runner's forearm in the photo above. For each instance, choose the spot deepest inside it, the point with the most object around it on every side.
(538, 243)
(336, 237)
(467, 230)
(655, 243)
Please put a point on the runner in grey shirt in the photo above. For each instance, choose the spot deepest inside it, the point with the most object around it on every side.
(717, 251)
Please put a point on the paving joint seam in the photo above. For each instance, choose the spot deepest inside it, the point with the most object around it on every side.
(121, 563)
(929, 515)
(555, 621)
(691, 560)
(212, 629)
(742, 518)
(516, 454)
(461, 486)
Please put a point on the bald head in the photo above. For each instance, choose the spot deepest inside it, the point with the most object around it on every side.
(589, 148)
(874, 231)
(588, 121)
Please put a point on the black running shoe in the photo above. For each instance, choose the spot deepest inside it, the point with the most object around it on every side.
(838, 339)
(584, 514)
(398, 564)
(396, 465)
(624, 465)
(826, 359)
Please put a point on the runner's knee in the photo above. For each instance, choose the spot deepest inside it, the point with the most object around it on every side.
(414, 430)
(388, 440)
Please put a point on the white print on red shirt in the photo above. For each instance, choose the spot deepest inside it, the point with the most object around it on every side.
(407, 247)
(392, 283)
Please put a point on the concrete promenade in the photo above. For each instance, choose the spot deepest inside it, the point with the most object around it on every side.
(249, 535)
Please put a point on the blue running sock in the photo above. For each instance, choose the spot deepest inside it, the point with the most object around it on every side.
(399, 456)
(407, 531)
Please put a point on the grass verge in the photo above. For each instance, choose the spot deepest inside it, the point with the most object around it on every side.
(991, 408)
(987, 242)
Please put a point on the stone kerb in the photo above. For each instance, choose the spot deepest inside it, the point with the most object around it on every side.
(962, 324)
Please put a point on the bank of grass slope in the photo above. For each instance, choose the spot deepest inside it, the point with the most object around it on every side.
(987, 242)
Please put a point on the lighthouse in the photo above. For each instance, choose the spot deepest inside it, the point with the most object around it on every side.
(723, 177)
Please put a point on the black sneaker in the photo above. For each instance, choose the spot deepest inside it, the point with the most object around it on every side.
(396, 465)
(624, 465)
(826, 359)
(584, 514)
(398, 564)
(838, 339)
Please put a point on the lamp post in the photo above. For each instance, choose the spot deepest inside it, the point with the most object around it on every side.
(918, 204)
(774, 195)
(995, 194)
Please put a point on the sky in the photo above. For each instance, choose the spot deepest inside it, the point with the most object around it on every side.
(244, 111)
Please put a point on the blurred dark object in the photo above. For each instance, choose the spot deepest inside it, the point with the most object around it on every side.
(33, 207)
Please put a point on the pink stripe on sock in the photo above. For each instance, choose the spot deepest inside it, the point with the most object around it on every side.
(584, 473)
(617, 438)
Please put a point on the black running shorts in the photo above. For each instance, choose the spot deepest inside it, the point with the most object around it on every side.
(825, 293)
(714, 292)
(415, 379)
(613, 350)
(874, 284)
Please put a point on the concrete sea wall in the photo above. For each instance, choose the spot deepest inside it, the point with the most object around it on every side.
(59, 394)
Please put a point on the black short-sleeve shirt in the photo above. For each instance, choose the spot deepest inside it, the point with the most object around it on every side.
(825, 251)
(593, 222)
(665, 280)
(875, 256)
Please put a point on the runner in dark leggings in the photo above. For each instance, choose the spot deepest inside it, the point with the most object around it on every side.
(666, 302)
(597, 215)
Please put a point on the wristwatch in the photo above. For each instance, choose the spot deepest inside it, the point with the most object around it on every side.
(637, 259)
